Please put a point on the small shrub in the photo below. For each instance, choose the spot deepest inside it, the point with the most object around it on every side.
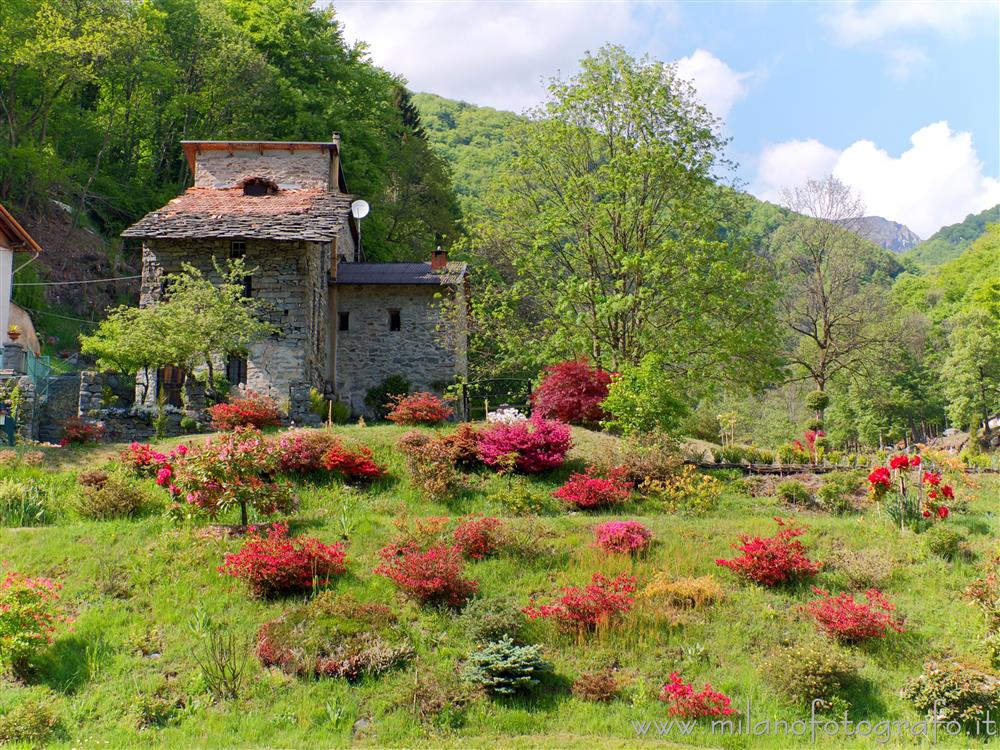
(479, 537)
(601, 686)
(572, 392)
(32, 723)
(303, 451)
(505, 668)
(116, 498)
(92, 478)
(28, 618)
(77, 431)
(23, 503)
(8, 457)
(684, 702)
(141, 459)
(277, 564)
(252, 409)
(943, 541)
(334, 636)
(862, 569)
(533, 446)
(794, 493)
(433, 576)
(687, 491)
(379, 398)
(772, 560)
(157, 707)
(683, 593)
(954, 691)
(437, 700)
(849, 621)
(491, 619)
(418, 408)
(837, 492)
(431, 464)
(353, 464)
(601, 602)
(223, 659)
(589, 491)
(463, 445)
(623, 537)
(33, 458)
(644, 456)
(642, 398)
(812, 671)
(521, 500)
(793, 453)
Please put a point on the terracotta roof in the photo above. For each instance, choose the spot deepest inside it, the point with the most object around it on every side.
(398, 273)
(206, 213)
(17, 233)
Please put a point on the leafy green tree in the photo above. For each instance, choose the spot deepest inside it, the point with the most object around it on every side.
(641, 399)
(971, 371)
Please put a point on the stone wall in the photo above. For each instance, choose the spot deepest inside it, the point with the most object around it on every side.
(60, 402)
(92, 387)
(302, 169)
(429, 350)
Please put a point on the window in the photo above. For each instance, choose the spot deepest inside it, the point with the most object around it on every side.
(170, 383)
(257, 186)
(344, 321)
(237, 249)
(236, 370)
(394, 321)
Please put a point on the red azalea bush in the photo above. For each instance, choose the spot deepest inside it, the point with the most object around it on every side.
(250, 409)
(532, 446)
(302, 451)
(77, 431)
(353, 464)
(418, 408)
(479, 537)
(683, 702)
(431, 576)
(849, 621)
(771, 560)
(278, 564)
(28, 619)
(623, 537)
(589, 491)
(572, 392)
(602, 601)
(142, 459)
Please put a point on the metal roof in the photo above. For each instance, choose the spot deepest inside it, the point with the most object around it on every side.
(398, 273)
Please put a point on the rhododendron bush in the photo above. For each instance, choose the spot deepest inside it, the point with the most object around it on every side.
(302, 451)
(623, 537)
(28, 618)
(771, 560)
(479, 537)
(531, 447)
(431, 576)
(240, 411)
(276, 564)
(353, 463)
(601, 602)
(572, 392)
(844, 618)
(918, 497)
(589, 491)
(684, 702)
(79, 432)
(418, 408)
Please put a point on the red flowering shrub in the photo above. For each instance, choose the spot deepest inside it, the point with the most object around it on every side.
(240, 411)
(879, 481)
(849, 621)
(899, 462)
(28, 619)
(623, 537)
(463, 446)
(432, 576)
(418, 408)
(682, 700)
(277, 564)
(532, 446)
(931, 477)
(479, 537)
(572, 392)
(302, 451)
(78, 432)
(587, 491)
(353, 464)
(602, 601)
(771, 560)
(142, 459)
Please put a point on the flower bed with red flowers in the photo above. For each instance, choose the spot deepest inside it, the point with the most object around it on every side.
(418, 408)
(772, 560)
(572, 392)
(479, 537)
(623, 537)
(601, 602)
(77, 431)
(684, 702)
(277, 564)
(530, 447)
(432, 576)
(849, 621)
(251, 409)
(353, 464)
(589, 491)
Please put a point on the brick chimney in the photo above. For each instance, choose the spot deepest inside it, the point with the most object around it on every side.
(439, 259)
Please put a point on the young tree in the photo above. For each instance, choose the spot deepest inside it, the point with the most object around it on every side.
(971, 372)
(606, 227)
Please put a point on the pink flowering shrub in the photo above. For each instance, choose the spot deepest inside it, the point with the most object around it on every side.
(771, 560)
(623, 537)
(479, 537)
(28, 618)
(251, 409)
(847, 620)
(418, 408)
(533, 446)
(277, 564)
(600, 602)
(302, 451)
(683, 702)
(572, 392)
(432, 576)
(588, 491)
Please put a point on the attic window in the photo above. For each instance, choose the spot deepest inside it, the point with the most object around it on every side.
(257, 186)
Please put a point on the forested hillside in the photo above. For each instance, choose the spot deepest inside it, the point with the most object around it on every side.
(949, 242)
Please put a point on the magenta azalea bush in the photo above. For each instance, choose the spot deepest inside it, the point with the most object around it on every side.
(623, 537)
(530, 447)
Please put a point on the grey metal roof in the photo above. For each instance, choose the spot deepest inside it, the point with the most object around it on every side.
(398, 273)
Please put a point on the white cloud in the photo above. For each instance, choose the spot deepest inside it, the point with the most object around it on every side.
(491, 53)
(718, 85)
(856, 22)
(937, 181)
(903, 62)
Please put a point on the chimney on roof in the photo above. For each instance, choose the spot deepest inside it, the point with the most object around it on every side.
(439, 259)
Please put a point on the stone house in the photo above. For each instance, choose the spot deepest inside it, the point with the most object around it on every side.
(345, 325)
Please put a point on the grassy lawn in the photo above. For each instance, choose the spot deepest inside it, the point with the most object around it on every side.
(144, 594)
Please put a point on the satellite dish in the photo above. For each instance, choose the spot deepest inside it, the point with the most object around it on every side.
(359, 209)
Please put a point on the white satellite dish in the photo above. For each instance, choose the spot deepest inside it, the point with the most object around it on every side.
(359, 209)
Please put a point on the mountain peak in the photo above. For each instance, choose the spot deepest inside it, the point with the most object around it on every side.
(889, 234)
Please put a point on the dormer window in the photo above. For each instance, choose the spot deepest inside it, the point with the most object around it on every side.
(257, 186)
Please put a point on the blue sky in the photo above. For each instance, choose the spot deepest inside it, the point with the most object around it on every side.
(901, 100)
